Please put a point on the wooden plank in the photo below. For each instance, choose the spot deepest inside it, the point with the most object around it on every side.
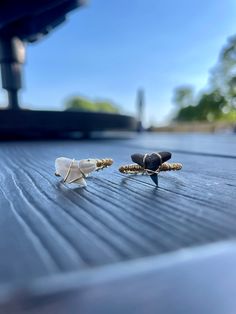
(209, 144)
(50, 228)
(200, 280)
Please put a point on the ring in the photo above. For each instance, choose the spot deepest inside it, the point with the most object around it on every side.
(150, 164)
(76, 171)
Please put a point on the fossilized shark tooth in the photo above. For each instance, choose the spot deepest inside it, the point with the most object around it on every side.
(151, 162)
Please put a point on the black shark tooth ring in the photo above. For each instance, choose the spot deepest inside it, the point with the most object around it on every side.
(150, 164)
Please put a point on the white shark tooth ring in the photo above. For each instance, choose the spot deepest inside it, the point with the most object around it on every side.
(75, 171)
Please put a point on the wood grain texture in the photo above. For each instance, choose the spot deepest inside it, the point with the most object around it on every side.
(222, 145)
(49, 228)
(199, 280)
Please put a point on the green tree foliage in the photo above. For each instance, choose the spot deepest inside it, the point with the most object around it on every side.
(83, 104)
(210, 107)
(219, 103)
(183, 96)
(223, 75)
(186, 114)
(106, 107)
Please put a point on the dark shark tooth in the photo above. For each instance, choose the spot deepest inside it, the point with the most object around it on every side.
(165, 156)
(154, 178)
(138, 159)
(151, 162)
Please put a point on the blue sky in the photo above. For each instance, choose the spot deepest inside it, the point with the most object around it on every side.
(109, 49)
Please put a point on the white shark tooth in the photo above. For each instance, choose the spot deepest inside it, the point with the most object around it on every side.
(75, 171)
(80, 181)
(87, 166)
(69, 170)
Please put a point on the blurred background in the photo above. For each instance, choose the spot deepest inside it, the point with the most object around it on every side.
(169, 64)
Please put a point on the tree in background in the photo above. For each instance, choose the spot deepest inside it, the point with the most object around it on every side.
(183, 96)
(183, 99)
(223, 75)
(219, 103)
(209, 108)
(83, 104)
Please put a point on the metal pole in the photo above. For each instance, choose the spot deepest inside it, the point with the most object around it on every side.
(140, 108)
(13, 101)
(12, 56)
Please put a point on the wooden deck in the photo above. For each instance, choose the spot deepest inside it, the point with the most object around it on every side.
(51, 232)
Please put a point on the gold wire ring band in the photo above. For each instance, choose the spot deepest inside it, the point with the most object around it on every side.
(136, 169)
(103, 163)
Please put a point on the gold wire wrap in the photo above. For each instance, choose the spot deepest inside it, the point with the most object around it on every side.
(103, 163)
(69, 170)
(136, 169)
